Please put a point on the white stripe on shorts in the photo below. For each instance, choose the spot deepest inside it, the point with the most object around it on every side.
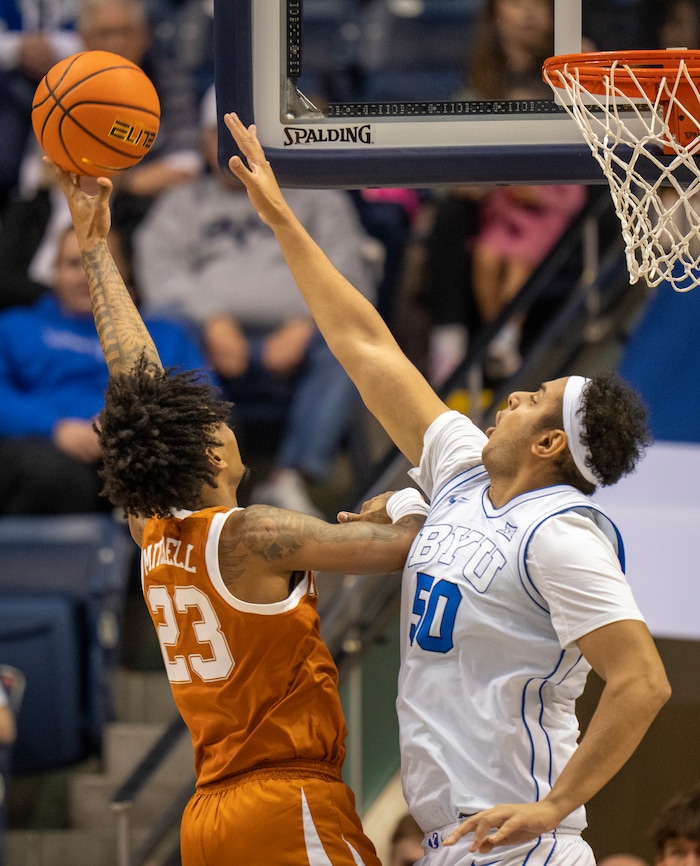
(314, 847)
(315, 851)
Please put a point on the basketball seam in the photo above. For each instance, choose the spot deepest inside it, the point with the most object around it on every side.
(60, 97)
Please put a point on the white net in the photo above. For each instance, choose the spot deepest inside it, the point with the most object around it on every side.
(654, 180)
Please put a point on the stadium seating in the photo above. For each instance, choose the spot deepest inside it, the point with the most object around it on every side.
(13, 682)
(384, 50)
(63, 584)
(415, 50)
(331, 31)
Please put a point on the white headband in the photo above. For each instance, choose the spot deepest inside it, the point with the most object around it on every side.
(571, 408)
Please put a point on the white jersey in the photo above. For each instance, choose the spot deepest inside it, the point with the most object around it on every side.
(493, 602)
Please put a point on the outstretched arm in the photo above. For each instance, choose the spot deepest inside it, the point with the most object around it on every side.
(122, 332)
(391, 387)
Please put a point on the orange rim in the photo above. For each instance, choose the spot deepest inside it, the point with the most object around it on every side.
(648, 67)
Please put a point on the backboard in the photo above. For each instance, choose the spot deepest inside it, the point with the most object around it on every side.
(271, 56)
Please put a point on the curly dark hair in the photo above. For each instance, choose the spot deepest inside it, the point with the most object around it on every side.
(155, 430)
(615, 428)
(615, 432)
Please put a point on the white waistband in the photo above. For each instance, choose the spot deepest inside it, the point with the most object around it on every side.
(435, 838)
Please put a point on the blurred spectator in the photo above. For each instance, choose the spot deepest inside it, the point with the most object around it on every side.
(33, 36)
(616, 25)
(388, 215)
(122, 26)
(7, 720)
(193, 41)
(622, 860)
(8, 734)
(202, 253)
(30, 230)
(406, 842)
(512, 39)
(52, 380)
(519, 226)
(486, 242)
(676, 831)
(679, 25)
(448, 280)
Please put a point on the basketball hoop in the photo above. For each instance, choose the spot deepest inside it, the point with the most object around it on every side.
(639, 112)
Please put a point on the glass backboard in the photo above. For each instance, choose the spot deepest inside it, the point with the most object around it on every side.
(351, 94)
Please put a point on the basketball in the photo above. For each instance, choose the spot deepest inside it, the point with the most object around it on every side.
(95, 113)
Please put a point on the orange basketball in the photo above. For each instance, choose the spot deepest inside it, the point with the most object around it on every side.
(95, 113)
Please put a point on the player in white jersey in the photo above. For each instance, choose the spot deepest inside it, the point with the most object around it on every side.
(512, 591)
(478, 597)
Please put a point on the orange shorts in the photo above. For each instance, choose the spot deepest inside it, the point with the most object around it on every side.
(299, 813)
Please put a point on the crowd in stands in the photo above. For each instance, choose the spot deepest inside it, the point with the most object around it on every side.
(255, 328)
(198, 260)
(52, 382)
(211, 281)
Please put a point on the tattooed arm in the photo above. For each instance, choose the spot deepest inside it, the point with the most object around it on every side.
(260, 546)
(122, 332)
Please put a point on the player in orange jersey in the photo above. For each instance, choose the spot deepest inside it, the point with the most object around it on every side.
(232, 596)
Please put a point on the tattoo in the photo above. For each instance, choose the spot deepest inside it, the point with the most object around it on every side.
(233, 559)
(123, 335)
(274, 534)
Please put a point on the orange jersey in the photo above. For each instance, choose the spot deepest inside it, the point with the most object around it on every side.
(254, 683)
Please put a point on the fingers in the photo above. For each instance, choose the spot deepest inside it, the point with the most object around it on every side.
(507, 824)
(479, 825)
(70, 182)
(244, 136)
(484, 846)
(239, 133)
(484, 842)
(463, 829)
(247, 140)
(237, 167)
(66, 180)
(233, 124)
(491, 829)
(378, 501)
(105, 187)
(347, 517)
